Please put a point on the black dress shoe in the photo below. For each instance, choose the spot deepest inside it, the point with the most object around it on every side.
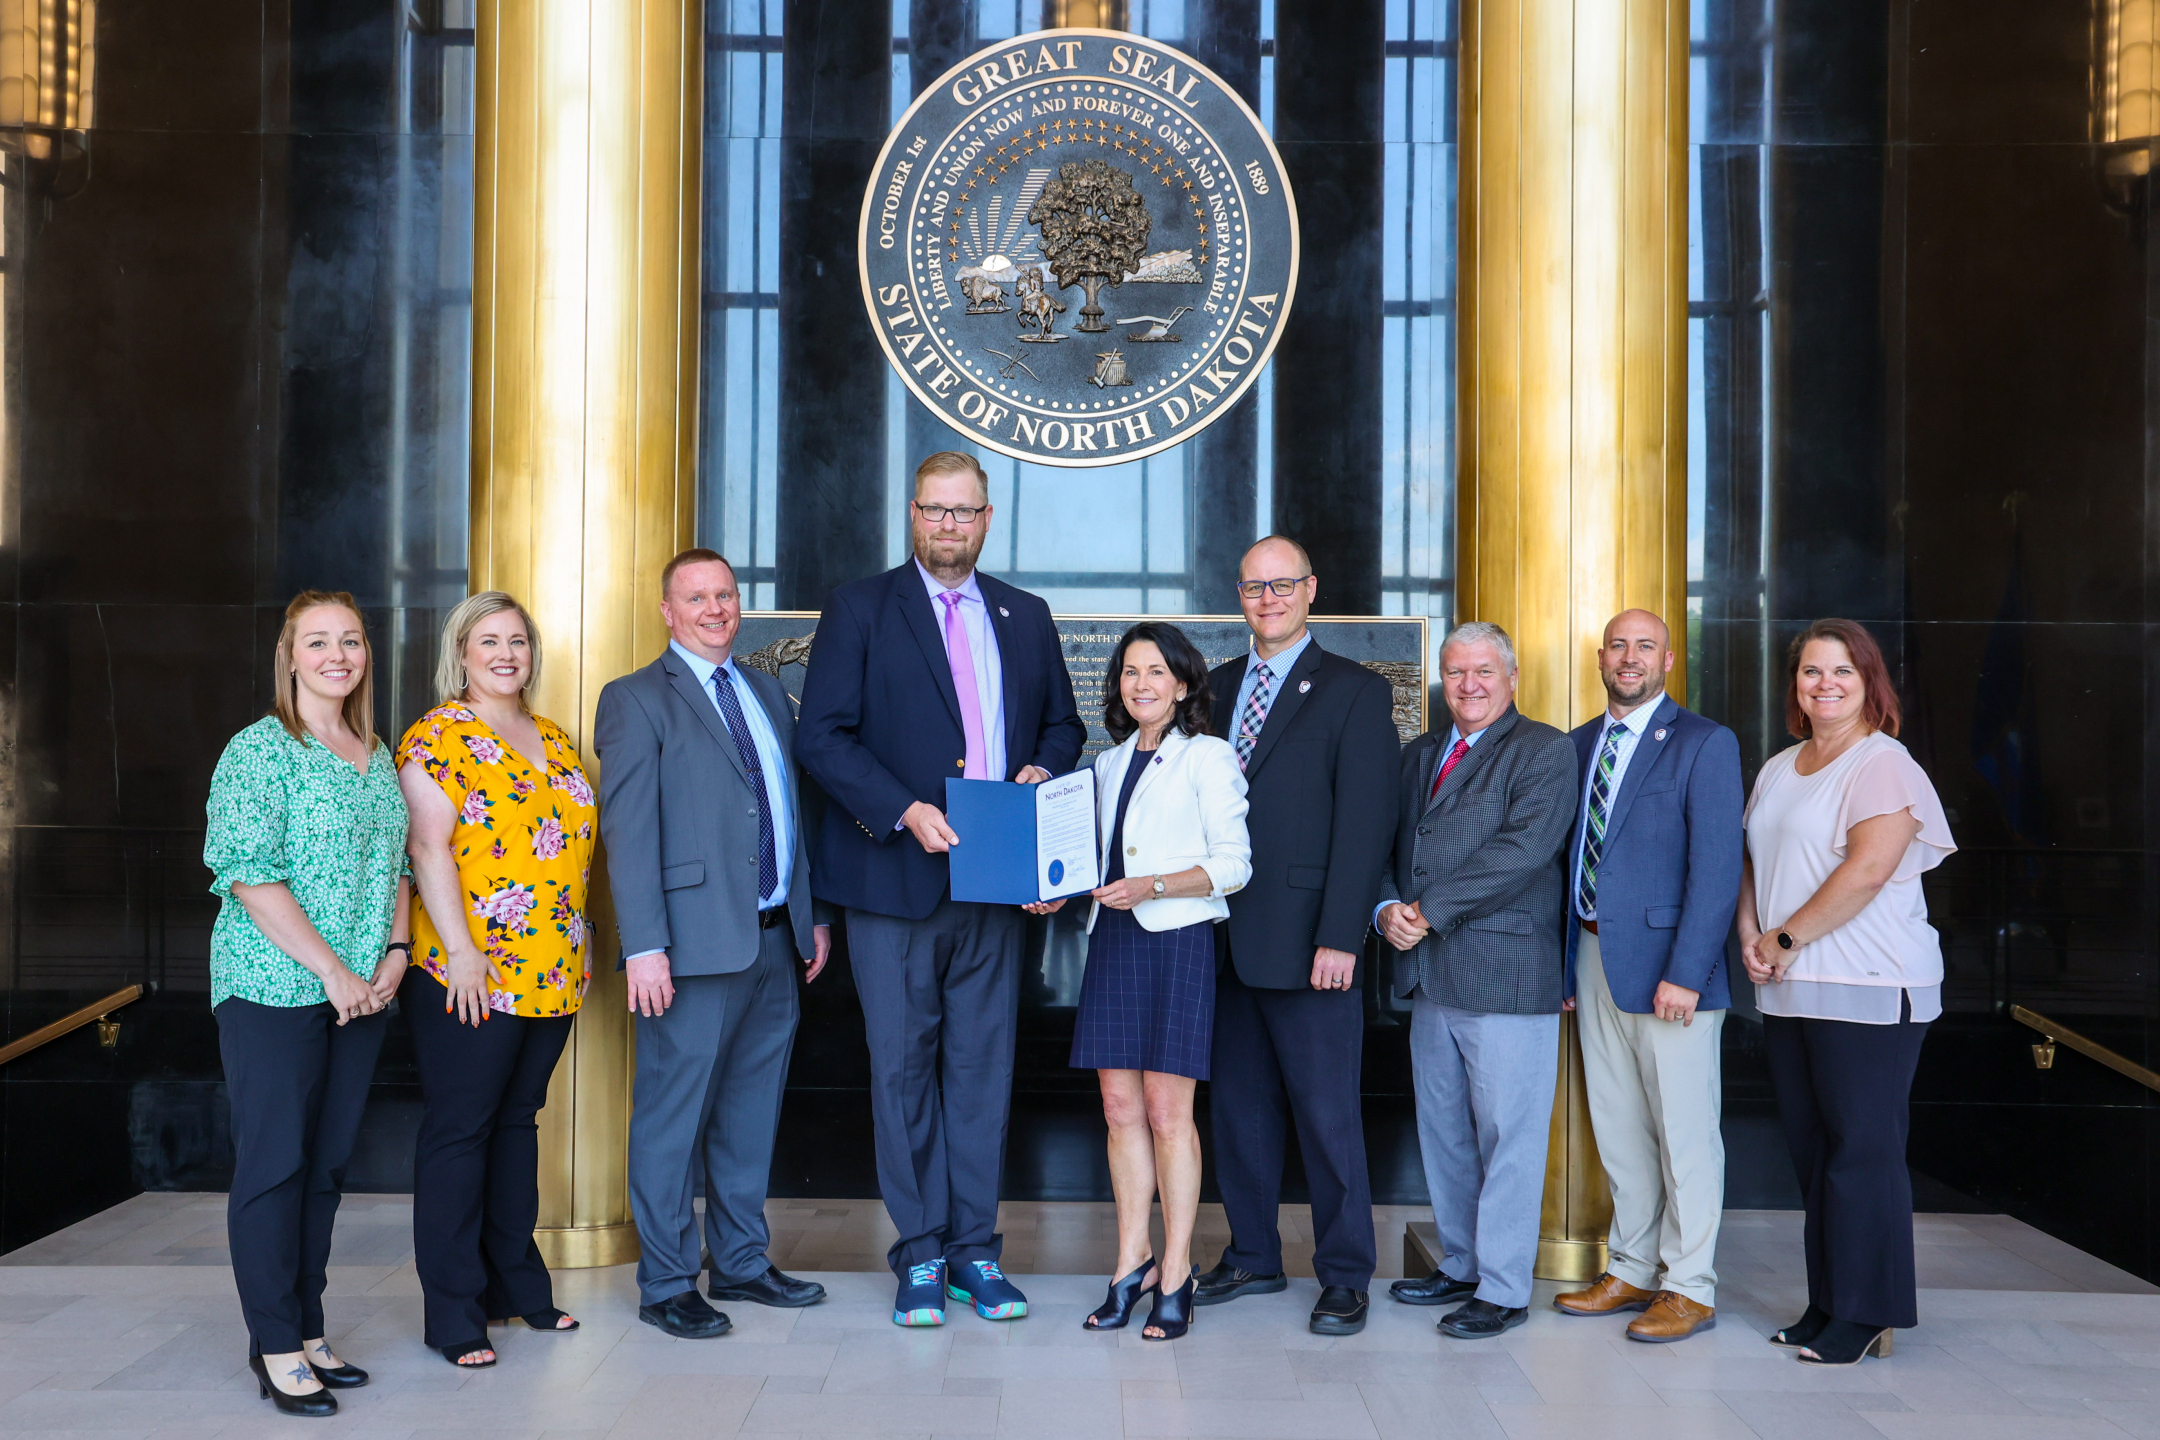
(784, 1292)
(686, 1317)
(316, 1403)
(1341, 1311)
(1227, 1282)
(1438, 1288)
(1481, 1320)
(339, 1377)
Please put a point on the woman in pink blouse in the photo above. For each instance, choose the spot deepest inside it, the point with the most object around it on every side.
(1848, 973)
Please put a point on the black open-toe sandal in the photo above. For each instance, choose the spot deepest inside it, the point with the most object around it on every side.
(1846, 1342)
(456, 1354)
(1802, 1331)
(1116, 1310)
(1173, 1311)
(550, 1321)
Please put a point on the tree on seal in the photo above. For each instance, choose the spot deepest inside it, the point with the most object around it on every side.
(1094, 230)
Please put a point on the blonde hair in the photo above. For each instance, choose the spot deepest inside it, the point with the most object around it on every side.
(359, 707)
(451, 680)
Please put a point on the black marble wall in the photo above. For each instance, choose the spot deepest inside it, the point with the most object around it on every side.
(1954, 446)
(234, 362)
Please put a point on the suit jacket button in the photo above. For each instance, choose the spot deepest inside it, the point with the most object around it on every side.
(961, 763)
(1132, 850)
(1424, 830)
(1419, 873)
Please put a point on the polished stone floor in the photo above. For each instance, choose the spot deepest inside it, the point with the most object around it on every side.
(126, 1326)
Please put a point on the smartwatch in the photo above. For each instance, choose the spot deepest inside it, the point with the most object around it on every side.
(1785, 940)
(405, 945)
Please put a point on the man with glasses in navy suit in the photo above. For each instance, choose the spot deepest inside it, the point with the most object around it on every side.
(928, 672)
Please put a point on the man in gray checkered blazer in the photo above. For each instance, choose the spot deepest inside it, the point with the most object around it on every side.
(1473, 899)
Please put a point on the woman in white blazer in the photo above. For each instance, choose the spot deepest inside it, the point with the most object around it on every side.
(1172, 813)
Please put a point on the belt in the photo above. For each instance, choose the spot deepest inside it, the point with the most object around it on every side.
(1590, 925)
(770, 919)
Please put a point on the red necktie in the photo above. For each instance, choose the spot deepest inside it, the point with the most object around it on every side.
(1462, 748)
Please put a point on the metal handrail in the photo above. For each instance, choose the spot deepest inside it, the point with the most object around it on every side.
(2044, 1053)
(98, 1011)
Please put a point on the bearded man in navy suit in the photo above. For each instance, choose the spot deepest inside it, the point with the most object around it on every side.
(926, 673)
(1653, 879)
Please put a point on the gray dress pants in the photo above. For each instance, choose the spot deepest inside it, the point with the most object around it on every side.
(710, 1072)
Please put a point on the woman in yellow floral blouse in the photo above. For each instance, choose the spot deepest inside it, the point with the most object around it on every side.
(501, 846)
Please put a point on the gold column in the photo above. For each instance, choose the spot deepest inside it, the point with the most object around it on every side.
(1572, 355)
(585, 347)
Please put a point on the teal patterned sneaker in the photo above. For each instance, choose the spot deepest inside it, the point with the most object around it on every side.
(922, 1295)
(994, 1296)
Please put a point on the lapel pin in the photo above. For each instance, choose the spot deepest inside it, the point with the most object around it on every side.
(1008, 615)
(1303, 686)
(1659, 736)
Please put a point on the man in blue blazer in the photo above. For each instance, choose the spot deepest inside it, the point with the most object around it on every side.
(1654, 875)
(926, 673)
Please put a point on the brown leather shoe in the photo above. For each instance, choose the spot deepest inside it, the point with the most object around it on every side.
(1671, 1317)
(1607, 1295)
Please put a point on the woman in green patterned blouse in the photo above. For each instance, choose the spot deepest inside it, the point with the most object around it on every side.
(307, 843)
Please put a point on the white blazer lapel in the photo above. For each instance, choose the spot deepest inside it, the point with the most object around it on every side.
(1164, 757)
(1109, 780)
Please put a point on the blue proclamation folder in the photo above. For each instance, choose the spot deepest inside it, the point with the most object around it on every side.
(995, 862)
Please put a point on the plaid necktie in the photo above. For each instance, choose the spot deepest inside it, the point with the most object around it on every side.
(1254, 715)
(1594, 825)
(768, 855)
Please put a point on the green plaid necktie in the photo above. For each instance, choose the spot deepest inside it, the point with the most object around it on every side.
(1601, 784)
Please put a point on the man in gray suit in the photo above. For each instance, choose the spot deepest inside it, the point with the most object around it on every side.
(1473, 899)
(700, 812)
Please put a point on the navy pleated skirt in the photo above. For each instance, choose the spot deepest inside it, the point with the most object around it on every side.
(1147, 1001)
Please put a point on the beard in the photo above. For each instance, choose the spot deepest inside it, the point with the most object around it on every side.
(1635, 690)
(958, 553)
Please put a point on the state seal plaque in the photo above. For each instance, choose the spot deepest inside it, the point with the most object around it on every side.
(1079, 247)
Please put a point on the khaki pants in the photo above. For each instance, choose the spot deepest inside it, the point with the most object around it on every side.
(1655, 1102)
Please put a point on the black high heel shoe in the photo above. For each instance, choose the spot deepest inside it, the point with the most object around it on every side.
(1173, 1311)
(316, 1404)
(339, 1377)
(549, 1322)
(1116, 1310)
(1802, 1331)
(1846, 1342)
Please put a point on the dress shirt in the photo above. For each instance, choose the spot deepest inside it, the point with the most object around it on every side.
(1631, 727)
(983, 649)
(1278, 666)
(1454, 733)
(771, 759)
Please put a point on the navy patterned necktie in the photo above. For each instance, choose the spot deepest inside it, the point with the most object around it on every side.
(1253, 716)
(768, 855)
(1594, 824)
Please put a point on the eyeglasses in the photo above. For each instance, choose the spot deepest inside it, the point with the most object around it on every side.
(936, 514)
(1251, 589)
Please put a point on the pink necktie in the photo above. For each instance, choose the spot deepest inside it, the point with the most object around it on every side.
(962, 660)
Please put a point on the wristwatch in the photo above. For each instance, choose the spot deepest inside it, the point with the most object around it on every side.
(1159, 887)
(1785, 940)
(405, 945)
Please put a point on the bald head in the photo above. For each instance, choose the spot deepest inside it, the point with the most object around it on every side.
(1634, 658)
(1276, 564)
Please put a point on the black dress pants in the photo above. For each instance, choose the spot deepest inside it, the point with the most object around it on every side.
(476, 1163)
(1287, 1057)
(298, 1082)
(1844, 1093)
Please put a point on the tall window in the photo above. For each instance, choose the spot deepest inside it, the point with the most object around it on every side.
(1417, 542)
(738, 464)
